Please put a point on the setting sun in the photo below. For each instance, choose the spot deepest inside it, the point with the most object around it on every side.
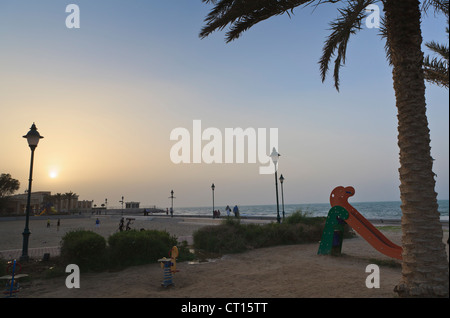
(53, 174)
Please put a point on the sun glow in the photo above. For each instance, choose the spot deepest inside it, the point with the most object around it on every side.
(53, 174)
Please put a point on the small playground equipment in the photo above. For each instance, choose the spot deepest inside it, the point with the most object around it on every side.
(342, 211)
(12, 284)
(49, 208)
(332, 236)
(170, 267)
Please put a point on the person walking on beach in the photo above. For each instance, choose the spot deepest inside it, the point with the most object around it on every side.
(128, 224)
(48, 223)
(97, 223)
(236, 211)
(228, 209)
(58, 224)
(121, 225)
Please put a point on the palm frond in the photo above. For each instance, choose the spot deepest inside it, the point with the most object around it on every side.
(348, 23)
(438, 5)
(436, 72)
(436, 69)
(241, 15)
(383, 34)
(439, 49)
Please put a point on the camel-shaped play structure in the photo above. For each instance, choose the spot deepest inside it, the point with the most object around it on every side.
(341, 211)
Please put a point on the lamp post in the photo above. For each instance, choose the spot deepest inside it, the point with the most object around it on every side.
(171, 197)
(212, 188)
(122, 205)
(274, 155)
(282, 195)
(33, 138)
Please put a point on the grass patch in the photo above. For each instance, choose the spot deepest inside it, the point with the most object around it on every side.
(392, 228)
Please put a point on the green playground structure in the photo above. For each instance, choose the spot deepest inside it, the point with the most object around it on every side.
(332, 236)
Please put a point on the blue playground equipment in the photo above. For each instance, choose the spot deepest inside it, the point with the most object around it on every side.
(170, 267)
(12, 284)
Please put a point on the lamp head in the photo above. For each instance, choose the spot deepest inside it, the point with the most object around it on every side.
(33, 137)
(274, 155)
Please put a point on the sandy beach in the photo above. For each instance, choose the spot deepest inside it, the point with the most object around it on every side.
(293, 271)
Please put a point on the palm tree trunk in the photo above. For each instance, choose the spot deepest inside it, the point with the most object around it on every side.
(425, 264)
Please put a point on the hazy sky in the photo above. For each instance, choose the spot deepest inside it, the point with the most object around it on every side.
(107, 96)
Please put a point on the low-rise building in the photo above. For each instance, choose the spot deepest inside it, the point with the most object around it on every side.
(42, 202)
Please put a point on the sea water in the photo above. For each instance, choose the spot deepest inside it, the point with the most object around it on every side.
(388, 210)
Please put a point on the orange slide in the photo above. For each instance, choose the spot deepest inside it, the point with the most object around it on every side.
(339, 197)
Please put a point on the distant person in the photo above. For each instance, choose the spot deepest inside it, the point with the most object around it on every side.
(97, 223)
(128, 225)
(121, 225)
(48, 223)
(218, 213)
(236, 211)
(167, 211)
(58, 224)
(171, 212)
(228, 209)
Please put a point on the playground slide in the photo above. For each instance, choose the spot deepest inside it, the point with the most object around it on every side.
(339, 197)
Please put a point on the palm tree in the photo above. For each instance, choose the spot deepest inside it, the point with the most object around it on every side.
(436, 70)
(69, 196)
(424, 265)
(58, 198)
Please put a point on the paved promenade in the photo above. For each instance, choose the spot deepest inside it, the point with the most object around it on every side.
(35, 253)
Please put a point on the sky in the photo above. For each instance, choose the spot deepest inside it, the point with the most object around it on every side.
(106, 97)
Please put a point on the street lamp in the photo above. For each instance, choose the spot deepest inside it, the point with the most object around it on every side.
(282, 195)
(274, 155)
(33, 138)
(171, 197)
(212, 188)
(122, 205)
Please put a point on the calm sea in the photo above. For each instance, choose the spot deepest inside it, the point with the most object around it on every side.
(370, 210)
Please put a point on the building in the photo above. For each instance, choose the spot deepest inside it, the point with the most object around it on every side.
(17, 204)
(84, 204)
(43, 201)
(132, 205)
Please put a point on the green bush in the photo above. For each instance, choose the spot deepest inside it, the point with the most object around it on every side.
(233, 237)
(3, 265)
(299, 217)
(85, 249)
(139, 247)
(90, 252)
(223, 238)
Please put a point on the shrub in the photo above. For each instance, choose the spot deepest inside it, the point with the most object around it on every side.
(139, 247)
(223, 238)
(84, 248)
(233, 237)
(3, 264)
(300, 217)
